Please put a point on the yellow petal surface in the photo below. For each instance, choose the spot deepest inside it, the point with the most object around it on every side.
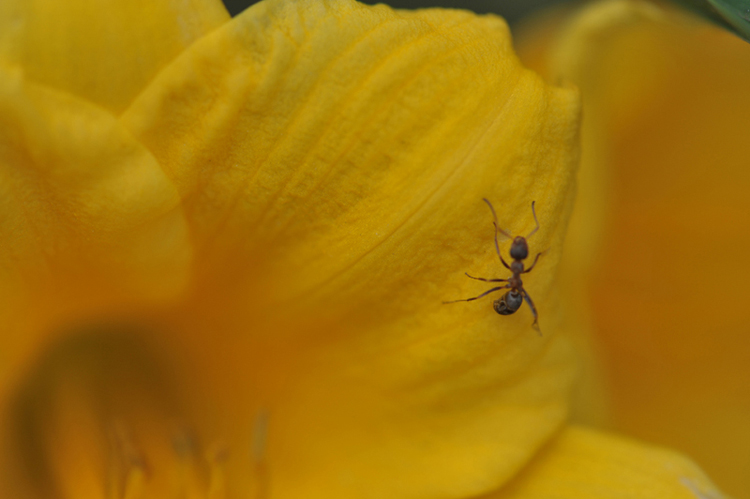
(582, 464)
(665, 99)
(102, 51)
(332, 158)
(90, 225)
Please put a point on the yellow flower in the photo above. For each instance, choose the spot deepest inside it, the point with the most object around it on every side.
(226, 244)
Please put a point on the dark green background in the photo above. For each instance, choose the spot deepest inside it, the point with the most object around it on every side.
(733, 15)
(511, 10)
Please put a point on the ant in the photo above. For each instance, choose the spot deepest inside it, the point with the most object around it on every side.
(519, 250)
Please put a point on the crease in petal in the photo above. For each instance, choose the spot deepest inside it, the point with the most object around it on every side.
(332, 159)
(105, 52)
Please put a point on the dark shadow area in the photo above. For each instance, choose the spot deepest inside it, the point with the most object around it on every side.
(111, 365)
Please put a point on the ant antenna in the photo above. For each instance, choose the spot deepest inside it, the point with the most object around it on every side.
(494, 220)
(535, 219)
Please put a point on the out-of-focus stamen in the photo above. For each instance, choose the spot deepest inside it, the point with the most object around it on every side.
(217, 457)
(258, 453)
(128, 472)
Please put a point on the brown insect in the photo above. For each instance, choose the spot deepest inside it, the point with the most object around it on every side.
(519, 250)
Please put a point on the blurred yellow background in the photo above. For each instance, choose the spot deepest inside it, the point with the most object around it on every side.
(666, 127)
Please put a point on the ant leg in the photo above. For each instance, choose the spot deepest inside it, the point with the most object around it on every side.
(535, 325)
(477, 297)
(497, 229)
(532, 265)
(497, 248)
(535, 219)
(485, 280)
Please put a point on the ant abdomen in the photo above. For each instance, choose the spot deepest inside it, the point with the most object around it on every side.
(509, 303)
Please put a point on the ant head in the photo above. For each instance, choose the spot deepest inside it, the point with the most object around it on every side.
(519, 250)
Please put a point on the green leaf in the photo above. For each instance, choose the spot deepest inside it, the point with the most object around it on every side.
(734, 15)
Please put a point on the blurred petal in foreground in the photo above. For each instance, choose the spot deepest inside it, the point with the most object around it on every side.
(104, 52)
(584, 464)
(665, 100)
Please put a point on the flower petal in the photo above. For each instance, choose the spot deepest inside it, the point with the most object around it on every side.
(332, 158)
(89, 223)
(665, 97)
(254, 127)
(583, 464)
(103, 51)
